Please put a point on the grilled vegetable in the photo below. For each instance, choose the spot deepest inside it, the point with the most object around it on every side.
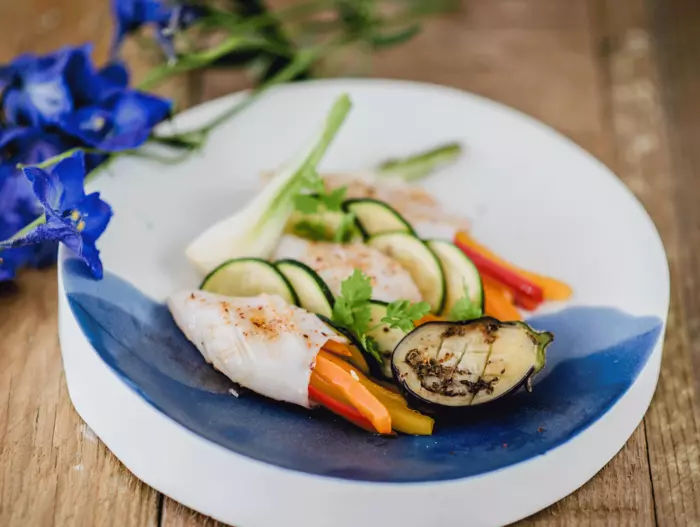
(376, 217)
(249, 277)
(387, 338)
(354, 345)
(419, 260)
(458, 364)
(312, 291)
(461, 275)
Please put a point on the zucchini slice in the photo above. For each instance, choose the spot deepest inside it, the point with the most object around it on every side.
(248, 277)
(323, 226)
(311, 290)
(387, 338)
(419, 260)
(376, 217)
(460, 274)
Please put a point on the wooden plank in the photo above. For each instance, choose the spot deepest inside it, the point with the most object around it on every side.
(176, 515)
(53, 469)
(536, 55)
(673, 428)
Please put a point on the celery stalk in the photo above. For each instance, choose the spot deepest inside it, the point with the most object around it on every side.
(420, 165)
(255, 230)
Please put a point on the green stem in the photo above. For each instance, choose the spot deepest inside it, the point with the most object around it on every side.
(302, 61)
(60, 157)
(161, 159)
(204, 58)
(286, 14)
(6, 244)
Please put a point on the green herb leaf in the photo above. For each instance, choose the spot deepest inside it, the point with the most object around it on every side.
(465, 309)
(346, 229)
(306, 203)
(372, 347)
(352, 309)
(312, 230)
(401, 314)
(334, 200)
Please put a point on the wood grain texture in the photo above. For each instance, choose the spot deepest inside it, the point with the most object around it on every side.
(590, 69)
(672, 423)
(53, 469)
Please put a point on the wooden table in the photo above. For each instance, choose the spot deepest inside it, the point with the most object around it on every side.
(619, 77)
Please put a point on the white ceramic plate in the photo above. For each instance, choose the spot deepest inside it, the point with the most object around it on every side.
(532, 196)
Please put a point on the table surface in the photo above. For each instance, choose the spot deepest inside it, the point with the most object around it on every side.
(619, 77)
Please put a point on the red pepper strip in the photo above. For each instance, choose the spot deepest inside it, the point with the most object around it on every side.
(343, 410)
(525, 302)
(522, 287)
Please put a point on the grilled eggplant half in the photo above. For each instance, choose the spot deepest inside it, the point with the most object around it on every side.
(458, 364)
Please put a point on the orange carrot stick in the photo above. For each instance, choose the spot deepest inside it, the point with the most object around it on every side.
(403, 418)
(333, 346)
(552, 288)
(427, 318)
(497, 302)
(353, 390)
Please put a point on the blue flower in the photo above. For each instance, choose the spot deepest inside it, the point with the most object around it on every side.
(73, 218)
(40, 255)
(121, 122)
(131, 15)
(63, 93)
(18, 204)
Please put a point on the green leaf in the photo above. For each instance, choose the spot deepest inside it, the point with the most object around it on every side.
(357, 287)
(465, 309)
(334, 200)
(346, 229)
(312, 230)
(352, 308)
(306, 203)
(401, 314)
(372, 347)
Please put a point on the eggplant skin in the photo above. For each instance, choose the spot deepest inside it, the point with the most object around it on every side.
(447, 366)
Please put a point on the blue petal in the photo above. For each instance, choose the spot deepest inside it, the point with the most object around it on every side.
(115, 74)
(90, 125)
(40, 255)
(87, 251)
(61, 188)
(70, 172)
(54, 230)
(130, 15)
(47, 189)
(18, 205)
(40, 93)
(124, 122)
(96, 214)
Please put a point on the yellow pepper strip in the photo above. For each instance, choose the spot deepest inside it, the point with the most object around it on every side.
(403, 418)
(354, 391)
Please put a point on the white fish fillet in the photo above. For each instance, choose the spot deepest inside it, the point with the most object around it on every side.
(425, 214)
(335, 262)
(261, 343)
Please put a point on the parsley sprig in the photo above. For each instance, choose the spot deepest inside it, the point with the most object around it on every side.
(465, 309)
(315, 202)
(353, 311)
